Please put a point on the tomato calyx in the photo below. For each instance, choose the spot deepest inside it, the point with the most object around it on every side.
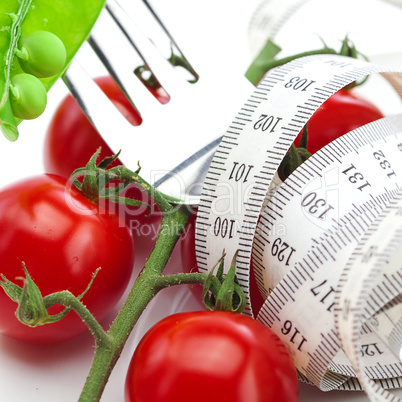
(32, 306)
(100, 183)
(294, 157)
(222, 292)
(349, 49)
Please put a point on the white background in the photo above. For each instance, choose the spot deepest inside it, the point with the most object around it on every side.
(57, 372)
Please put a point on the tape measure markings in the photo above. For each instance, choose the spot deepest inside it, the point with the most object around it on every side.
(269, 101)
(277, 303)
(302, 171)
(353, 228)
(351, 383)
(392, 319)
(399, 373)
(374, 250)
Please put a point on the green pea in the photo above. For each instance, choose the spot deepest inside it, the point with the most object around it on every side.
(70, 20)
(41, 54)
(28, 96)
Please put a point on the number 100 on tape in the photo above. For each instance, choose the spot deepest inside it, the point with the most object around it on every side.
(324, 207)
(254, 145)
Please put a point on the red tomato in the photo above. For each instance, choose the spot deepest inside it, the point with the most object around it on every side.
(217, 356)
(70, 142)
(143, 223)
(63, 238)
(342, 112)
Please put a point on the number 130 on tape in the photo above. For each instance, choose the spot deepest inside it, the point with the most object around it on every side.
(300, 233)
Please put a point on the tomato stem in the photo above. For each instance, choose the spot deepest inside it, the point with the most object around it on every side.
(96, 177)
(68, 300)
(265, 60)
(146, 286)
(175, 216)
(161, 201)
(194, 278)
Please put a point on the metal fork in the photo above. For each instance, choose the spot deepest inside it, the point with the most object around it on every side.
(176, 141)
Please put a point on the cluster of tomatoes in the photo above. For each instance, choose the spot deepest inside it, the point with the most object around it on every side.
(63, 238)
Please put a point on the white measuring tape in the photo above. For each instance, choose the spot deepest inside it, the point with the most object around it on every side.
(248, 157)
(370, 291)
(311, 224)
(332, 204)
(268, 19)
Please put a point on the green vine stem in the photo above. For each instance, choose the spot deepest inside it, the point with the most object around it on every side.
(32, 307)
(151, 279)
(68, 300)
(144, 289)
(149, 282)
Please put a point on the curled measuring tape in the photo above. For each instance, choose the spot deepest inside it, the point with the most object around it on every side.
(248, 157)
(333, 203)
(369, 293)
(308, 19)
(324, 208)
(268, 19)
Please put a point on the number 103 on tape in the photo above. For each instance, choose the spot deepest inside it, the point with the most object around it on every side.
(300, 234)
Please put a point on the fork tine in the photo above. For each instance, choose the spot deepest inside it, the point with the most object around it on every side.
(128, 83)
(85, 90)
(165, 73)
(175, 50)
(120, 62)
(196, 115)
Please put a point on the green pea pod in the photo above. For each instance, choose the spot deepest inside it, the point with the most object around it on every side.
(70, 20)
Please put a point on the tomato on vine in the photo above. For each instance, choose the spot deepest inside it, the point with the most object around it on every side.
(70, 142)
(62, 238)
(211, 355)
